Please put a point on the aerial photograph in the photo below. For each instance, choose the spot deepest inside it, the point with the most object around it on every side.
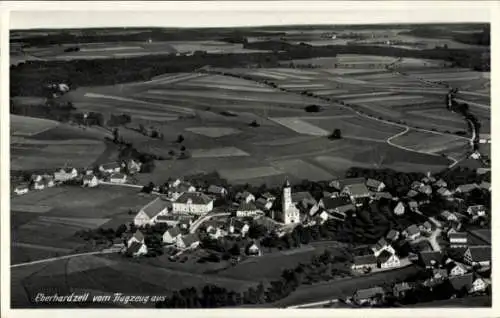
(292, 166)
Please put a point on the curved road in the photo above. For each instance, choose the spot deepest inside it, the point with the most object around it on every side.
(197, 223)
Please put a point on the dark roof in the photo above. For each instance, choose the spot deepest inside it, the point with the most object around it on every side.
(358, 189)
(174, 231)
(380, 195)
(302, 196)
(154, 207)
(392, 235)
(214, 189)
(381, 243)
(189, 239)
(412, 229)
(333, 203)
(182, 187)
(196, 198)
(480, 253)
(373, 183)
(459, 282)
(118, 176)
(467, 187)
(348, 181)
(247, 206)
(111, 165)
(364, 259)
(138, 235)
(369, 292)
(384, 256)
(134, 247)
(428, 257)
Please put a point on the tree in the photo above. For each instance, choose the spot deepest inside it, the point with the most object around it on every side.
(254, 124)
(235, 250)
(336, 134)
(116, 135)
(180, 138)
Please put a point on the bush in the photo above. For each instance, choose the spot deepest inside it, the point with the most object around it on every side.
(313, 109)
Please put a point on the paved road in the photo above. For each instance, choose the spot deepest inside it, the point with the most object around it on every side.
(196, 224)
(52, 259)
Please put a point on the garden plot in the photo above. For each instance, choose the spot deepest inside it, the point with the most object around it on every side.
(302, 170)
(247, 173)
(218, 152)
(300, 126)
(214, 132)
(29, 126)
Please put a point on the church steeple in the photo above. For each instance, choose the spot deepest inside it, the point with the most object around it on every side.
(286, 184)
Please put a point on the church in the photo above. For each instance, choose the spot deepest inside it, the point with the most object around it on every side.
(289, 212)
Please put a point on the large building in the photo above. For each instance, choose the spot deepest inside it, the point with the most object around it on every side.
(193, 202)
(151, 211)
(289, 212)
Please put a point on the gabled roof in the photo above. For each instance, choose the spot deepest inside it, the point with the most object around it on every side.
(373, 183)
(182, 187)
(138, 236)
(215, 189)
(427, 224)
(174, 231)
(333, 203)
(154, 207)
(268, 196)
(357, 189)
(480, 253)
(476, 208)
(413, 204)
(443, 191)
(412, 229)
(189, 239)
(195, 197)
(364, 259)
(118, 176)
(349, 181)
(381, 244)
(459, 282)
(384, 256)
(89, 177)
(134, 247)
(411, 193)
(428, 257)
(380, 195)
(111, 165)
(392, 235)
(467, 187)
(244, 206)
(485, 185)
(22, 187)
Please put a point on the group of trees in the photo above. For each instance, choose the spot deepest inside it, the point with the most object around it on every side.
(119, 120)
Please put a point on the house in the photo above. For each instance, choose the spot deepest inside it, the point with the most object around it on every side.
(137, 249)
(185, 223)
(65, 174)
(48, 180)
(217, 190)
(399, 209)
(188, 241)
(40, 185)
(444, 192)
(466, 188)
(193, 202)
(253, 250)
(90, 181)
(441, 183)
(171, 235)
(263, 204)
(457, 239)
(21, 189)
(484, 138)
(381, 195)
(215, 233)
(478, 255)
(485, 185)
(151, 211)
(339, 184)
(479, 285)
(238, 227)
(173, 183)
(132, 166)
(375, 185)
(381, 246)
(364, 296)
(412, 193)
(364, 262)
(338, 204)
(476, 210)
(247, 210)
(323, 216)
(413, 205)
(356, 191)
(112, 167)
(392, 236)
(118, 178)
(411, 233)
(448, 216)
(245, 196)
(269, 197)
(415, 185)
(426, 227)
(430, 259)
(138, 237)
(425, 189)
(400, 289)
(456, 269)
(387, 259)
(462, 283)
(304, 199)
(36, 178)
(439, 274)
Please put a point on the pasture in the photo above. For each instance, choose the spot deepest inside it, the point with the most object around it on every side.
(29, 126)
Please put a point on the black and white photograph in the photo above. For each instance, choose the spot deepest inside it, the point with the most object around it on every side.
(335, 163)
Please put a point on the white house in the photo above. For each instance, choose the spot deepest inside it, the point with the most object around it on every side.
(65, 174)
(375, 185)
(476, 210)
(90, 181)
(238, 227)
(458, 239)
(217, 190)
(457, 269)
(112, 167)
(188, 241)
(253, 250)
(479, 285)
(151, 211)
(118, 178)
(382, 245)
(388, 260)
(137, 249)
(193, 202)
(247, 210)
(399, 209)
(21, 189)
(245, 196)
(138, 237)
(171, 235)
(40, 185)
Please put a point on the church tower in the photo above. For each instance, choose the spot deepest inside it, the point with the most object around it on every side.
(290, 214)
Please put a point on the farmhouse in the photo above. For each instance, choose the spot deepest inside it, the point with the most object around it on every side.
(381, 195)
(21, 189)
(245, 196)
(364, 262)
(478, 286)
(138, 237)
(217, 190)
(466, 188)
(193, 202)
(253, 250)
(112, 167)
(263, 204)
(356, 191)
(118, 178)
(458, 239)
(444, 192)
(137, 249)
(381, 246)
(375, 185)
(399, 209)
(188, 241)
(456, 269)
(90, 181)
(411, 233)
(388, 260)
(392, 236)
(171, 235)
(478, 255)
(151, 211)
(247, 210)
(463, 282)
(400, 289)
(340, 184)
(65, 174)
(430, 259)
(441, 183)
(364, 296)
(338, 205)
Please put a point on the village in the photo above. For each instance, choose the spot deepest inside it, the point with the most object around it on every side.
(182, 218)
